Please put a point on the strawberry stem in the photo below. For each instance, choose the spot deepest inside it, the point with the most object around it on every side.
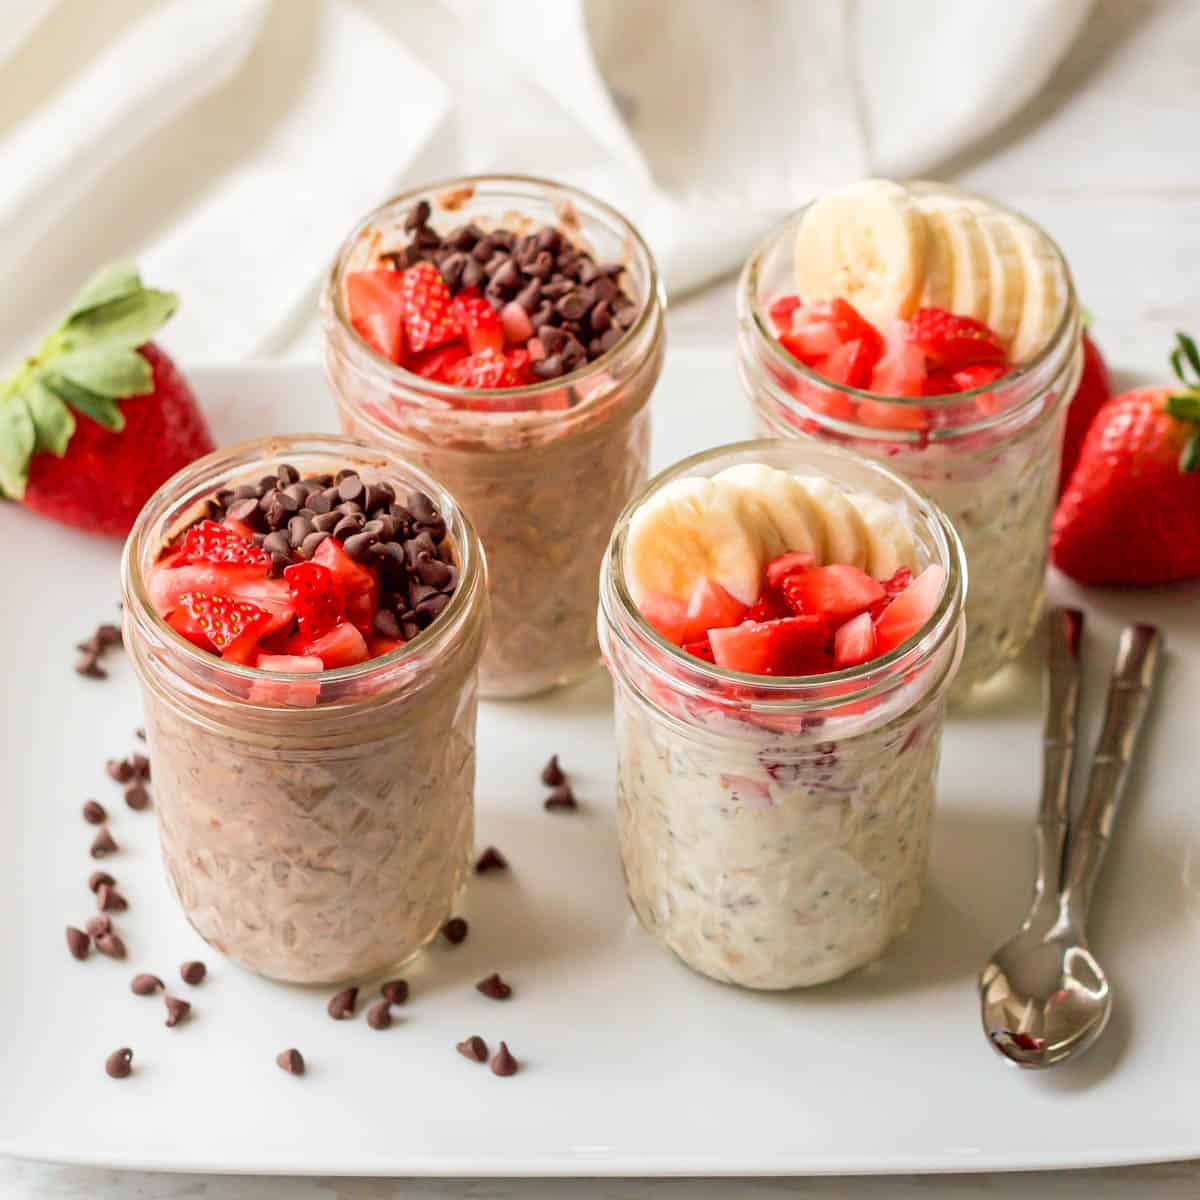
(1185, 406)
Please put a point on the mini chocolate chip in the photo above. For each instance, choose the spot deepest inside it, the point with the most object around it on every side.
(507, 274)
(78, 943)
(552, 338)
(140, 734)
(108, 635)
(93, 812)
(494, 988)
(434, 573)
(504, 1063)
(318, 503)
(299, 527)
(341, 1006)
(417, 216)
(291, 1061)
(326, 522)
(556, 289)
(530, 296)
(601, 316)
(286, 473)
(357, 545)
(141, 765)
(297, 492)
(89, 668)
(550, 367)
(177, 1010)
(609, 339)
(472, 275)
(98, 925)
(561, 798)
(386, 625)
(552, 772)
(491, 860)
(409, 629)
(309, 545)
(452, 268)
(474, 1048)
(350, 488)
(277, 542)
(193, 972)
(395, 991)
(455, 930)
(348, 526)
(145, 985)
(119, 1063)
(108, 899)
(110, 943)
(137, 797)
(245, 511)
(103, 843)
(243, 491)
(379, 1016)
(119, 769)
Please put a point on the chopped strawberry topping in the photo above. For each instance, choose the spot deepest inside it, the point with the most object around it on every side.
(213, 543)
(223, 620)
(952, 342)
(837, 592)
(377, 306)
(318, 603)
(487, 369)
(854, 642)
(477, 322)
(910, 610)
(791, 646)
(428, 320)
(795, 562)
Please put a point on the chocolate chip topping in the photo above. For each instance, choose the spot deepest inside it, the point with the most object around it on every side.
(111, 945)
(494, 988)
(291, 1061)
(379, 1015)
(119, 1063)
(193, 972)
(145, 985)
(98, 925)
(552, 773)
(137, 797)
(78, 943)
(119, 769)
(455, 930)
(108, 899)
(561, 799)
(341, 1006)
(103, 843)
(395, 991)
(491, 860)
(474, 1048)
(504, 1063)
(93, 812)
(93, 649)
(96, 878)
(177, 1010)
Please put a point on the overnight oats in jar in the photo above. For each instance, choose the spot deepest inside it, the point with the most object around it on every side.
(781, 620)
(506, 334)
(305, 616)
(936, 331)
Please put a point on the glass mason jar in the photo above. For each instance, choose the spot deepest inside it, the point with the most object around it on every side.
(774, 832)
(542, 487)
(316, 827)
(989, 458)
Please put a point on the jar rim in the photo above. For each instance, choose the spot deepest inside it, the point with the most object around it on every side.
(752, 316)
(797, 693)
(369, 361)
(204, 476)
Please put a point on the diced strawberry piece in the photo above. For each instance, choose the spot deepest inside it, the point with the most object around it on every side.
(667, 615)
(536, 350)
(292, 664)
(902, 369)
(187, 626)
(770, 606)
(837, 592)
(436, 363)
(519, 363)
(821, 327)
(319, 604)
(879, 414)
(951, 341)
(781, 312)
(900, 579)
(854, 641)
(812, 344)
(795, 562)
(710, 606)
(232, 626)
(967, 379)
(276, 691)
(213, 543)
(239, 527)
(909, 611)
(791, 646)
(850, 364)
(247, 583)
(477, 322)
(427, 318)
(351, 578)
(340, 646)
(378, 646)
(518, 329)
(377, 306)
(361, 610)
(940, 382)
(487, 369)
(700, 649)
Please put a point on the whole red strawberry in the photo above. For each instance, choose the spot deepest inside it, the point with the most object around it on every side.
(1130, 513)
(68, 450)
(1093, 392)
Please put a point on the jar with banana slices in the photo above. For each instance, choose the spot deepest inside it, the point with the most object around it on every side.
(774, 829)
(983, 441)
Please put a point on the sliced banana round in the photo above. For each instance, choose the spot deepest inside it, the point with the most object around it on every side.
(1045, 297)
(1006, 271)
(845, 530)
(958, 277)
(694, 528)
(866, 243)
(889, 541)
(776, 498)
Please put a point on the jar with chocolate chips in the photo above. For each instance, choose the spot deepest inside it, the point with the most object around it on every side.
(506, 334)
(305, 616)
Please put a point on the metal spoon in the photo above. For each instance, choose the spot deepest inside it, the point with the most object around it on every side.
(1044, 997)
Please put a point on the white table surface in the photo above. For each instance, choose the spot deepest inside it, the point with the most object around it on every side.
(1106, 160)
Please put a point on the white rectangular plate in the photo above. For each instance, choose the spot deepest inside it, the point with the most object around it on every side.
(631, 1064)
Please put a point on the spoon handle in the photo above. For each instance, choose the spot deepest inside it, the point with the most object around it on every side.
(1064, 632)
(1134, 672)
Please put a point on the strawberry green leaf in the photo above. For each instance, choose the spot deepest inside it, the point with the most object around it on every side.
(109, 283)
(17, 439)
(126, 321)
(102, 409)
(1186, 351)
(52, 419)
(107, 371)
(1185, 406)
(1189, 459)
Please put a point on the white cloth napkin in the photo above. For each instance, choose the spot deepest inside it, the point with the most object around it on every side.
(703, 120)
